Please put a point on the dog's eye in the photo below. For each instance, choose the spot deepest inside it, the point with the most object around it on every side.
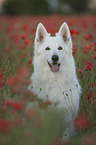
(47, 48)
(60, 48)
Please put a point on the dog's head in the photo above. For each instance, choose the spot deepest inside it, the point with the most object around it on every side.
(53, 50)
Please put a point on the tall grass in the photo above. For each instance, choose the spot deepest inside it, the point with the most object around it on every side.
(16, 52)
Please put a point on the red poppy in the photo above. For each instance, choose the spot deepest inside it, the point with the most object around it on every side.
(24, 56)
(12, 81)
(8, 103)
(4, 125)
(88, 66)
(72, 31)
(1, 84)
(1, 80)
(74, 50)
(80, 71)
(89, 96)
(18, 105)
(33, 30)
(77, 32)
(95, 96)
(85, 50)
(94, 56)
(88, 48)
(24, 27)
(92, 46)
(16, 89)
(1, 77)
(19, 78)
(82, 122)
(88, 37)
(30, 62)
(27, 42)
(91, 58)
(23, 36)
(91, 85)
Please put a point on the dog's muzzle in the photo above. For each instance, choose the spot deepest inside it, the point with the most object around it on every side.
(55, 65)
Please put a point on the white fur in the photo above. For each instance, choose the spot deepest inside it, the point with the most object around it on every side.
(60, 87)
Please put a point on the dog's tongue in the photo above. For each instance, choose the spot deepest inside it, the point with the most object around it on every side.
(54, 67)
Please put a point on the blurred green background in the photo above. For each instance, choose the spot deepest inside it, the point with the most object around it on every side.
(35, 7)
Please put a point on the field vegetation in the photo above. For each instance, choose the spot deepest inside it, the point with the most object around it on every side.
(18, 126)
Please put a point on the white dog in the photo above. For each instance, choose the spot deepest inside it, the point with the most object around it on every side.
(54, 76)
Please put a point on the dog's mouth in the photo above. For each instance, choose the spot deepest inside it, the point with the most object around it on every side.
(54, 66)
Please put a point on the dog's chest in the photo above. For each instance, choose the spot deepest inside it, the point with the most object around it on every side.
(55, 90)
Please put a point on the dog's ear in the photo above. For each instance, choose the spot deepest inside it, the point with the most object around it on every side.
(41, 33)
(64, 32)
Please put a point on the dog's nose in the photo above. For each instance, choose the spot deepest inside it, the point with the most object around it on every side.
(55, 58)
